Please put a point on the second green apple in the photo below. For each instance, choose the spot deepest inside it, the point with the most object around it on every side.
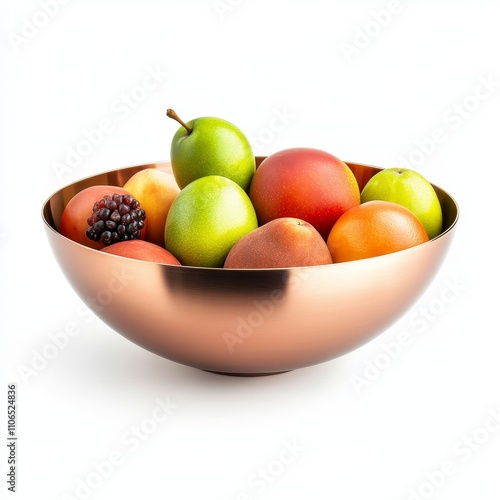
(210, 146)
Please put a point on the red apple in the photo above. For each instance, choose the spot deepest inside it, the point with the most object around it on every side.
(304, 183)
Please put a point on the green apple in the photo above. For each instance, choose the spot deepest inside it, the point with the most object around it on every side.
(206, 219)
(410, 189)
(210, 146)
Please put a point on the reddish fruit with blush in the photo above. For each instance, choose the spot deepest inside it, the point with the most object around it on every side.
(74, 217)
(283, 242)
(117, 217)
(142, 250)
(304, 183)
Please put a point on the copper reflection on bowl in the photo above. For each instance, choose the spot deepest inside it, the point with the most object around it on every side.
(246, 322)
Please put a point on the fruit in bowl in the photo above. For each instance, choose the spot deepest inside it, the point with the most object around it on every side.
(156, 191)
(246, 321)
(305, 183)
(206, 219)
(374, 228)
(74, 220)
(410, 189)
(210, 146)
(142, 250)
(282, 242)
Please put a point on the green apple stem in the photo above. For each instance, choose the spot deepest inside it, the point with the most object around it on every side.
(172, 114)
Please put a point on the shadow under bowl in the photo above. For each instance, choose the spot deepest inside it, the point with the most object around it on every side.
(246, 322)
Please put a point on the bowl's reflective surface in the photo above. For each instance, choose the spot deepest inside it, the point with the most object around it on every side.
(246, 322)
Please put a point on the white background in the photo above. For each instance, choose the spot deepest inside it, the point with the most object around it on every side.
(365, 98)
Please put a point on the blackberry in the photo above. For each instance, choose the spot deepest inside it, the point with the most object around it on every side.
(115, 218)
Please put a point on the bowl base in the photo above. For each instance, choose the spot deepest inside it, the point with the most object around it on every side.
(230, 374)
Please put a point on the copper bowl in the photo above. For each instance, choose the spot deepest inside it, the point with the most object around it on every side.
(246, 322)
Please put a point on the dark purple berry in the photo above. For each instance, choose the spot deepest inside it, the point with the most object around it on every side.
(123, 209)
(104, 213)
(115, 218)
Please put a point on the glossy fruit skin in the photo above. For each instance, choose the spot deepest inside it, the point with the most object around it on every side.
(206, 219)
(410, 189)
(142, 250)
(304, 183)
(214, 147)
(116, 218)
(79, 208)
(281, 243)
(374, 228)
(156, 190)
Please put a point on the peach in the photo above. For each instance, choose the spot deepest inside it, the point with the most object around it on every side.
(155, 190)
(142, 250)
(282, 242)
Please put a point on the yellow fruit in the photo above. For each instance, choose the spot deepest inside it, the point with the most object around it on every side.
(155, 190)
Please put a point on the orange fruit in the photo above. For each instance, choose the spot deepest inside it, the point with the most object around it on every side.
(374, 228)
